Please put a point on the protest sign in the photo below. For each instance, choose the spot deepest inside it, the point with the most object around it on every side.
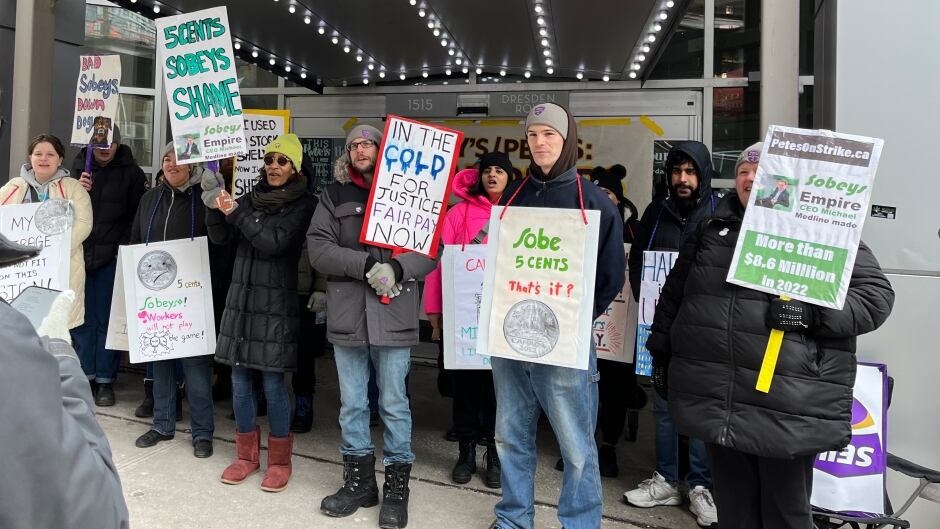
(462, 270)
(615, 329)
(38, 224)
(656, 267)
(116, 337)
(205, 108)
(261, 127)
(805, 215)
(538, 290)
(852, 480)
(96, 99)
(168, 300)
(411, 186)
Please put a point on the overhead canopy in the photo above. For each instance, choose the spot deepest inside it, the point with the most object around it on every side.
(416, 37)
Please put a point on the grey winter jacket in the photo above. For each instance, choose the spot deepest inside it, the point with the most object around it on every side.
(57, 469)
(355, 314)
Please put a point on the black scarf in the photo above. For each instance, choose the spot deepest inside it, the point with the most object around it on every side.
(269, 199)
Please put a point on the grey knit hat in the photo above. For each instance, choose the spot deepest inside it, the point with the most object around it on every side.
(367, 132)
(751, 154)
(551, 115)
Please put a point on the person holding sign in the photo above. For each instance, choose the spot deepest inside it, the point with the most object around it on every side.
(43, 178)
(474, 412)
(171, 211)
(665, 225)
(568, 396)
(120, 184)
(708, 340)
(361, 328)
(261, 323)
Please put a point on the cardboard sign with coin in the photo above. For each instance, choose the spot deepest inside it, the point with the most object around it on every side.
(47, 225)
(165, 292)
(538, 292)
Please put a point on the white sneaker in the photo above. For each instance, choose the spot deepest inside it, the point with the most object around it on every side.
(703, 506)
(653, 492)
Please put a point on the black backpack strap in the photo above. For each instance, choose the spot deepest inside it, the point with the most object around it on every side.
(480, 236)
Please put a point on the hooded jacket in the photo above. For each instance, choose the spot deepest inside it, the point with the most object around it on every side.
(461, 225)
(166, 213)
(261, 323)
(667, 223)
(16, 192)
(355, 314)
(712, 335)
(115, 194)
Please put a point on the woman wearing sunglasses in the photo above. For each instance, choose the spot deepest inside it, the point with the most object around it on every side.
(261, 322)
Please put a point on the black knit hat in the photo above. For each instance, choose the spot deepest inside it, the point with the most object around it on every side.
(609, 181)
(499, 159)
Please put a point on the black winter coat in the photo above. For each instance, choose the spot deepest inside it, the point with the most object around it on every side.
(115, 193)
(169, 214)
(261, 322)
(715, 334)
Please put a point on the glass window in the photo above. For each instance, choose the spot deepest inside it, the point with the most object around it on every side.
(807, 34)
(132, 36)
(250, 76)
(683, 57)
(135, 119)
(737, 37)
(735, 124)
(259, 102)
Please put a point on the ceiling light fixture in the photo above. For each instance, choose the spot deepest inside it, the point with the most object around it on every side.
(303, 75)
(605, 78)
(292, 9)
(502, 73)
(479, 70)
(307, 20)
(156, 8)
(579, 75)
(254, 54)
(271, 61)
(527, 74)
(237, 45)
(422, 12)
(287, 68)
(550, 71)
(424, 74)
(401, 76)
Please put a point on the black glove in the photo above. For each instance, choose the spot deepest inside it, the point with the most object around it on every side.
(791, 315)
(660, 379)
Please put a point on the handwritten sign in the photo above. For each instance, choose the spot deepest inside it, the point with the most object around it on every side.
(261, 127)
(656, 268)
(205, 107)
(538, 293)
(322, 152)
(167, 300)
(412, 183)
(462, 270)
(615, 328)
(49, 269)
(96, 99)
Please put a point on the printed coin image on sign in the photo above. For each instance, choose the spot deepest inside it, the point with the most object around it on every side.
(531, 328)
(156, 270)
(54, 216)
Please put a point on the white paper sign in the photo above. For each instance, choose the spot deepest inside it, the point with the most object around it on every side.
(656, 267)
(37, 224)
(538, 293)
(261, 127)
(615, 329)
(201, 83)
(462, 271)
(168, 300)
(96, 99)
(116, 338)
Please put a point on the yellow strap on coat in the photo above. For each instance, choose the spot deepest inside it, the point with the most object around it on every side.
(771, 352)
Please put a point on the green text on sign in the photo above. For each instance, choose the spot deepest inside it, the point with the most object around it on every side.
(792, 266)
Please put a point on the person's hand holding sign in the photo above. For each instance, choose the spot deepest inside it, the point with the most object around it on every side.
(85, 181)
(381, 277)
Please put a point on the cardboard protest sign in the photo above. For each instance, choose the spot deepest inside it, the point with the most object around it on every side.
(656, 267)
(47, 225)
(261, 127)
(853, 479)
(462, 270)
(615, 329)
(116, 337)
(805, 215)
(96, 99)
(411, 186)
(195, 50)
(538, 291)
(168, 300)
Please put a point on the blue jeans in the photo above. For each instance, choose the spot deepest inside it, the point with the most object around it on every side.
(177, 372)
(198, 373)
(569, 399)
(667, 450)
(99, 364)
(391, 369)
(245, 401)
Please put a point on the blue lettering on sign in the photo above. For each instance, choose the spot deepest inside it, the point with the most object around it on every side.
(407, 156)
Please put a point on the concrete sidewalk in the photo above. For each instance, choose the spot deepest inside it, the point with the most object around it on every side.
(166, 487)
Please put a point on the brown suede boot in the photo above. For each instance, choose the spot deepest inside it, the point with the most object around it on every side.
(280, 450)
(247, 449)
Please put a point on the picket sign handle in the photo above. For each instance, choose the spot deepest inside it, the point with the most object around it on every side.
(771, 353)
(88, 154)
(395, 253)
